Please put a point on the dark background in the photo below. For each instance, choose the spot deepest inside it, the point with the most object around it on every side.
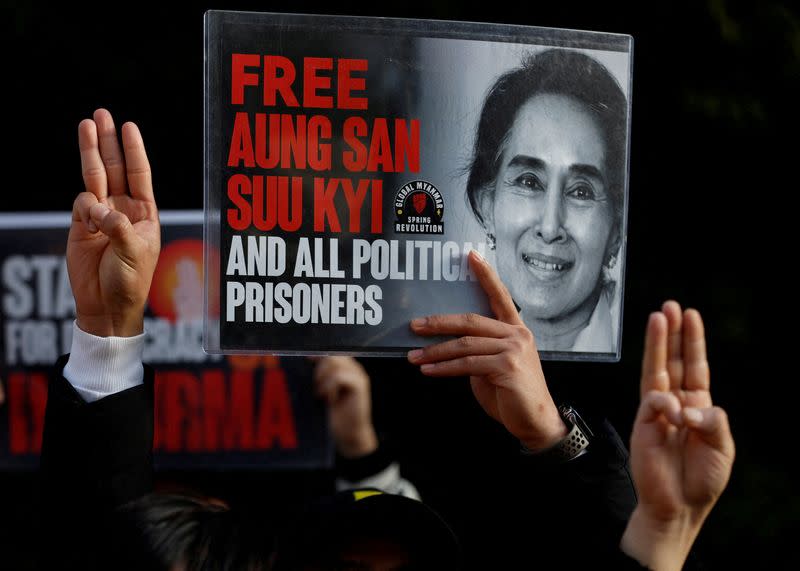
(712, 187)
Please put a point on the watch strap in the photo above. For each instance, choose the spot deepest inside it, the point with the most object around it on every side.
(572, 446)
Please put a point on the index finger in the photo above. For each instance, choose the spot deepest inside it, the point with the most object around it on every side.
(654, 362)
(137, 167)
(92, 167)
(499, 297)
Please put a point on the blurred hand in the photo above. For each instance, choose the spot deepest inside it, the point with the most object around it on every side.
(344, 385)
(115, 236)
(500, 357)
(682, 450)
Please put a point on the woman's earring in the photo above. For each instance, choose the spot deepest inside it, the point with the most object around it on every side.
(612, 261)
(491, 241)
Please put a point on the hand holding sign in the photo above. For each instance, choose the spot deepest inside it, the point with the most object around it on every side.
(115, 237)
(501, 359)
(681, 446)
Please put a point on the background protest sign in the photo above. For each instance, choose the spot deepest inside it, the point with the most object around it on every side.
(231, 411)
(339, 155)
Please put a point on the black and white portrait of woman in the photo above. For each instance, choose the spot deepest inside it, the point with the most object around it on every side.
(547, 184)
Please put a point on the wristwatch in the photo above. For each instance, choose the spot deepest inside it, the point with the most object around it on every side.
(573, 445)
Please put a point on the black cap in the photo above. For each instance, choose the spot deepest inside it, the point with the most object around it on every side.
(329, 524)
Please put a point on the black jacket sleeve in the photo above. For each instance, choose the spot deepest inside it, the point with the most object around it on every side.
(583, 504)
(95, 457)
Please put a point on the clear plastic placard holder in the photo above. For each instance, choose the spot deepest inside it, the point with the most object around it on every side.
(352, 163)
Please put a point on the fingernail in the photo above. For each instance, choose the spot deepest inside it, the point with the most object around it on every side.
(478, 255)
(92, 226)
(693, 415)
(427, 368)
(100, 210)
(414, 355)
(418, 322)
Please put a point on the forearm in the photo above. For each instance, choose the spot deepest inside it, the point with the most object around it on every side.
(660, 546)
(125, 324)
(99, 421)
(99, 452)
(95, 457)
(602, 479)
(592, 494)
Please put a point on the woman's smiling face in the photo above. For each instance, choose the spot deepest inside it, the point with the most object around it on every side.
(550, 209)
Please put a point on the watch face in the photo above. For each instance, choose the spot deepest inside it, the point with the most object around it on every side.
(571, 415)
(582, 424)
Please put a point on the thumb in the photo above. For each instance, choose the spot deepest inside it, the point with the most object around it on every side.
(118, 228)
(711, 425)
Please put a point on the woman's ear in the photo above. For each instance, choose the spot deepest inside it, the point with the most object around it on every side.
(612, 252)
(486, 208)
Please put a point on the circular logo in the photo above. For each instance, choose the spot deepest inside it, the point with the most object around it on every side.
(419, 209)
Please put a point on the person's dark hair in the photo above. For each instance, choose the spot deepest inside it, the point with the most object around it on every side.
(558, 72)
(357, 518)
(171, 531)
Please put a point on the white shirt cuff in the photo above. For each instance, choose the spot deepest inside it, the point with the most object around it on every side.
(101, 366)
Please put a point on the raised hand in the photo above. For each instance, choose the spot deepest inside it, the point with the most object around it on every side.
(500, 357)
(115, 236)
(344, 385)
(682, 450)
